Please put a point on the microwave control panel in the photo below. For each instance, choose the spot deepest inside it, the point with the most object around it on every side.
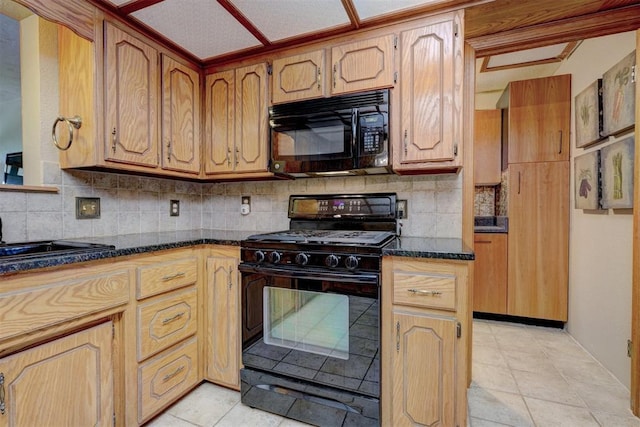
(372, 134)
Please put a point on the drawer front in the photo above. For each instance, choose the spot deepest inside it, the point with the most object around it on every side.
(163, 323)
(166, 377)
(162, 277)
(47, 304)
(429, 290)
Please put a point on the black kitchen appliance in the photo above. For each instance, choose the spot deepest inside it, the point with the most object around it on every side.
(311, 312)
(341, 135)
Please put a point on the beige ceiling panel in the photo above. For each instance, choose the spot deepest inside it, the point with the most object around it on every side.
(527, 56)
(202, 27)
(282, 19)
(371, 8)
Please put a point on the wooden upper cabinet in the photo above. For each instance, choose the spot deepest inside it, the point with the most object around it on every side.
(132, 107)
(538, 240)
(219, 121)
(430, 104)
(539, 119)
(251, 139)
(363, 65)
(236, 121)
(180, 117)
(487, 147)
(298, 77)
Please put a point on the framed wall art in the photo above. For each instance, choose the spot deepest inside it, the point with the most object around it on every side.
(618, 96)
(588, 108)
(616, 165)
(587, 180)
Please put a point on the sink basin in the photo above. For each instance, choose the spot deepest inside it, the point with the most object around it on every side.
(26, 250)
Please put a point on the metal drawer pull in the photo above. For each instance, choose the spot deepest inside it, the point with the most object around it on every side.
(172, 318)
(173, 374)
(424, 292)
(173, 276)
(74, 122)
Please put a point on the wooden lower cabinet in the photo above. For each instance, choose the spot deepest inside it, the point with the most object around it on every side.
(490, 273)
(222, 296)
(167, 318)
(424, 370)
(64, 382)
(539, 240)
(425, 314)
(166, 377)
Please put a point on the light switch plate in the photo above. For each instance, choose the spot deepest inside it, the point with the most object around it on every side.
(87, 207)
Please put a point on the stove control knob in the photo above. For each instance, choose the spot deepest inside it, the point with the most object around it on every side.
(259, 256)
(274, 257)
(351, 262)
(302, 259)
(332, 261)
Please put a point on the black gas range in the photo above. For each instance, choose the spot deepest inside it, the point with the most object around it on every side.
(341, 233)
(310, 302)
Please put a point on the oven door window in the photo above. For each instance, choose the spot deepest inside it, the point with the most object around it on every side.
(308, 321)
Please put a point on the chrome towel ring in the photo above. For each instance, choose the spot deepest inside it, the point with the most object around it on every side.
(74, 122)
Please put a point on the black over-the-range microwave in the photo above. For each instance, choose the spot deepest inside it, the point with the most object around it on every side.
(340, 135)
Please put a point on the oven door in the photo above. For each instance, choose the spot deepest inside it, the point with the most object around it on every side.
(310, 344)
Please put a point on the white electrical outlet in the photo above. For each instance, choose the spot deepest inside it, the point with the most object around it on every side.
(245, 207)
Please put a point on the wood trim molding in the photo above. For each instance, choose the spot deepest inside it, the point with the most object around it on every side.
(635, 288)
(565, 30)
(75, 14)
(558, 58)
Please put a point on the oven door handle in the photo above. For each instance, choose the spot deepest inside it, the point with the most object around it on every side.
(315, 274)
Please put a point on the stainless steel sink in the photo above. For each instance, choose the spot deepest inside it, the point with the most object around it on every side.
(27, 250)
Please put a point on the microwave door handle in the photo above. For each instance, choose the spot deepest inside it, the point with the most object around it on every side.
(355, 128)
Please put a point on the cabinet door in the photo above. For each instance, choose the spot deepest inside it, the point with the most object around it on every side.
(219, 122)
(487, 147)
(490, 273)
(131, 76)
(539, 119)
(363, 65)
(180, 117)
(251, 119)
(423, 365)
(66, 382)
(298, 77)
(538, 240)
(428, 88)
(223, 330)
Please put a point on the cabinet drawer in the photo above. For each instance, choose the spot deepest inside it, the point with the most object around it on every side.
(46, 304)
(429, 290)
(166, 377)
(165, 322)
(162, 277)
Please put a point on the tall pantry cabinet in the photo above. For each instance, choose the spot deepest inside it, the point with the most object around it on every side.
(538, 199)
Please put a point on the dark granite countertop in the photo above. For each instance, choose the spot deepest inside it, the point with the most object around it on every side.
(424, 247)
(491, 224)
(129, 244)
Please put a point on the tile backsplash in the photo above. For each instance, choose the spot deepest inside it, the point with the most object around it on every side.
(132, 204)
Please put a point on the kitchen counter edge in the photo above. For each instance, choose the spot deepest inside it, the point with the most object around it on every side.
(133, 244)
(433, 248)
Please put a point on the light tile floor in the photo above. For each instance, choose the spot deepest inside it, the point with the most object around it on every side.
(522, 376)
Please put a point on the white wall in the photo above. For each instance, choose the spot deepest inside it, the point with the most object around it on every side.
(600, 248)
